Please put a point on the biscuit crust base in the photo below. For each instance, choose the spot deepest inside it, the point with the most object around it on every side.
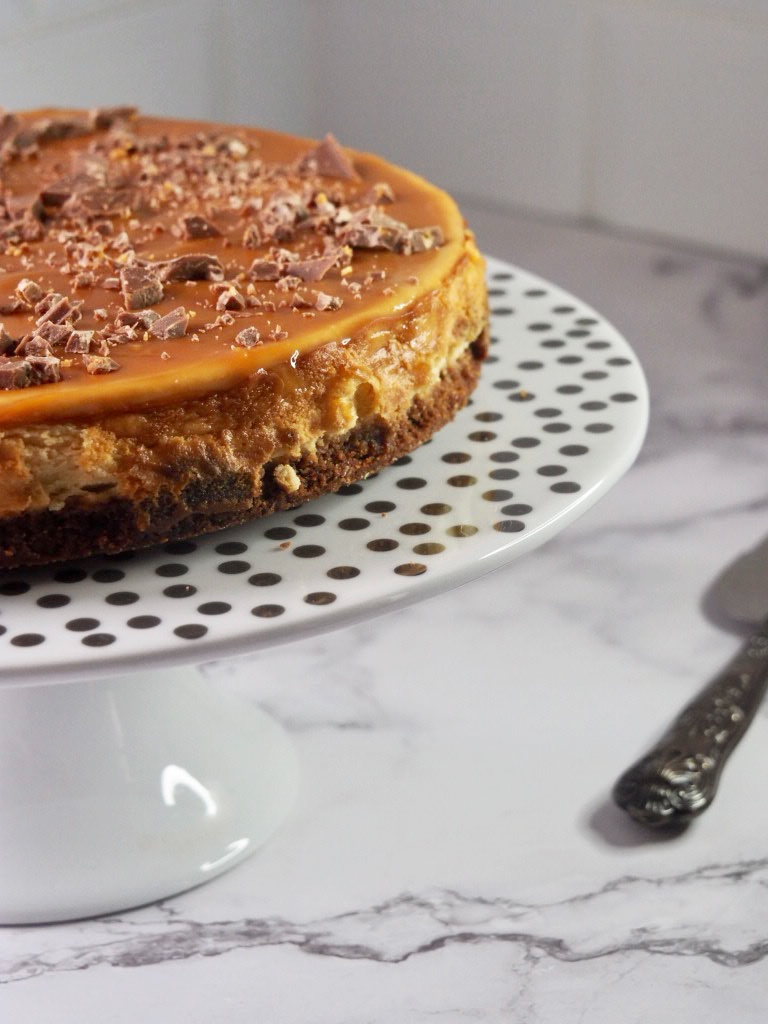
(225, 497)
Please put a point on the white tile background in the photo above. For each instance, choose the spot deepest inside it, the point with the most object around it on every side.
(643, 114)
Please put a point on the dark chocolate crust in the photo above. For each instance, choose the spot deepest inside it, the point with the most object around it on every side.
(81, 529)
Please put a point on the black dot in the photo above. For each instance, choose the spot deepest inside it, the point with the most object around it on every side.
(415, 529)
(530, 364)
(496, 292)
(410, 569)
(428, 548)
(143, 621)
(309, 519)
(462, 480)
(497, 495)
(491, 359)
(404, 460)
(517, 510)
(548, 413)
(539, 327)
(502, 311)
(577, 333)
(231, 547)
(320, 597)
(506, 385)
(412, 483)
(454, 458)
(564, 309)
(502, 275)
(552, 343)
(435, 508)
(504, 457)
(177, 590)
(482, 435)
(108, 575)
(461, 530)
(556, 428)
(354, 524)
(343, 572)
(83, 625)
(598, 344)
(594, 375)
(593, 406)
(172, 569)
(3, 630)
(569, 360)
(233, 567)
(598, 428)
(280, 533)
(623, 396)
(586, 321)
(535, 292)
(522, 396)
(267, 611)
(382, 544)
(526, 442)
(565, 487)
(191, 631)
(488, 417)
(309, 551)
(509, 526)
(14, 588)
(503, 474)
(348, 490)
(121, 597)
(574, 449)
(180, 547)
(551, 470)
(27, 639)
(569, 389)
(70, 575)
(214, 608)
(98, 640)
(618, 361)
(264, 579)
(53, 600)
(380, 507)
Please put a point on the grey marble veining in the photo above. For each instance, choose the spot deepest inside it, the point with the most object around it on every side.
(454, 854)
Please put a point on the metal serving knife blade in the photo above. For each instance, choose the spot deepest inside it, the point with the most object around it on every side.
(678, 778)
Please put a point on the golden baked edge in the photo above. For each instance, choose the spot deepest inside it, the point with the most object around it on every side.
(344, 411)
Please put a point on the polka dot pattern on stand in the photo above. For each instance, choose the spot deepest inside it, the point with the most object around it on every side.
(558, 415)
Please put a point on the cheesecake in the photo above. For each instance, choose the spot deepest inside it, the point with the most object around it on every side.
(202, 323)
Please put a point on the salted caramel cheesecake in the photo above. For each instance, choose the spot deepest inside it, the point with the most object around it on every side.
(202, 323)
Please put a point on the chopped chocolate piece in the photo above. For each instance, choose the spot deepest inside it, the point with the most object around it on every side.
(195, 226)
(315, 269)
(140, 286)
(330, 160)
(56, 194)
(193, 267)
(45, 369)
(252, 237)
(51, 129)
(7, 343)
(230, 299)
(381, 192)
(55, 308)
(323, 302)
(34, 345)
(172, 325)
(143, 318)
(14, 374)
(249, 337)
(54, 333)
(29, 291)
(299, 301)
(100, 364)
(105, 117)
(369, 228)
(84, 279)
(79, 342)
(12, 305)
(264, 270)
(422, 239)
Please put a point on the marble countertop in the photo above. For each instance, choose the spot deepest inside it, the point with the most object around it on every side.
(454, 854)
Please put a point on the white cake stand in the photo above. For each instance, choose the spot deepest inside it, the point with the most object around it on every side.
(125, 777)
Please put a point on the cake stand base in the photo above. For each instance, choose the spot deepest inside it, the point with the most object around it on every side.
(116, 792)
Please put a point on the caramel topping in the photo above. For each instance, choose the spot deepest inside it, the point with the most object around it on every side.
(146, 261)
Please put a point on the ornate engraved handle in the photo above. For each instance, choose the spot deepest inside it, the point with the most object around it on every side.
(677, 779)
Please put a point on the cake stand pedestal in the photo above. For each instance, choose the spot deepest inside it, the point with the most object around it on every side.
(119, 791)
(124, 778)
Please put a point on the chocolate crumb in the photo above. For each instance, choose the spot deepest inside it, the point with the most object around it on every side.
(195, 226)
(14, 374)
(324, 302)
(29, 291)
(329, 160)
(45, 369)
(230, 299)
(79, 342)
(193, 267)
(105, 117)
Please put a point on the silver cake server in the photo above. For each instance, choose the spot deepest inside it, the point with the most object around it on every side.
(677, 779)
